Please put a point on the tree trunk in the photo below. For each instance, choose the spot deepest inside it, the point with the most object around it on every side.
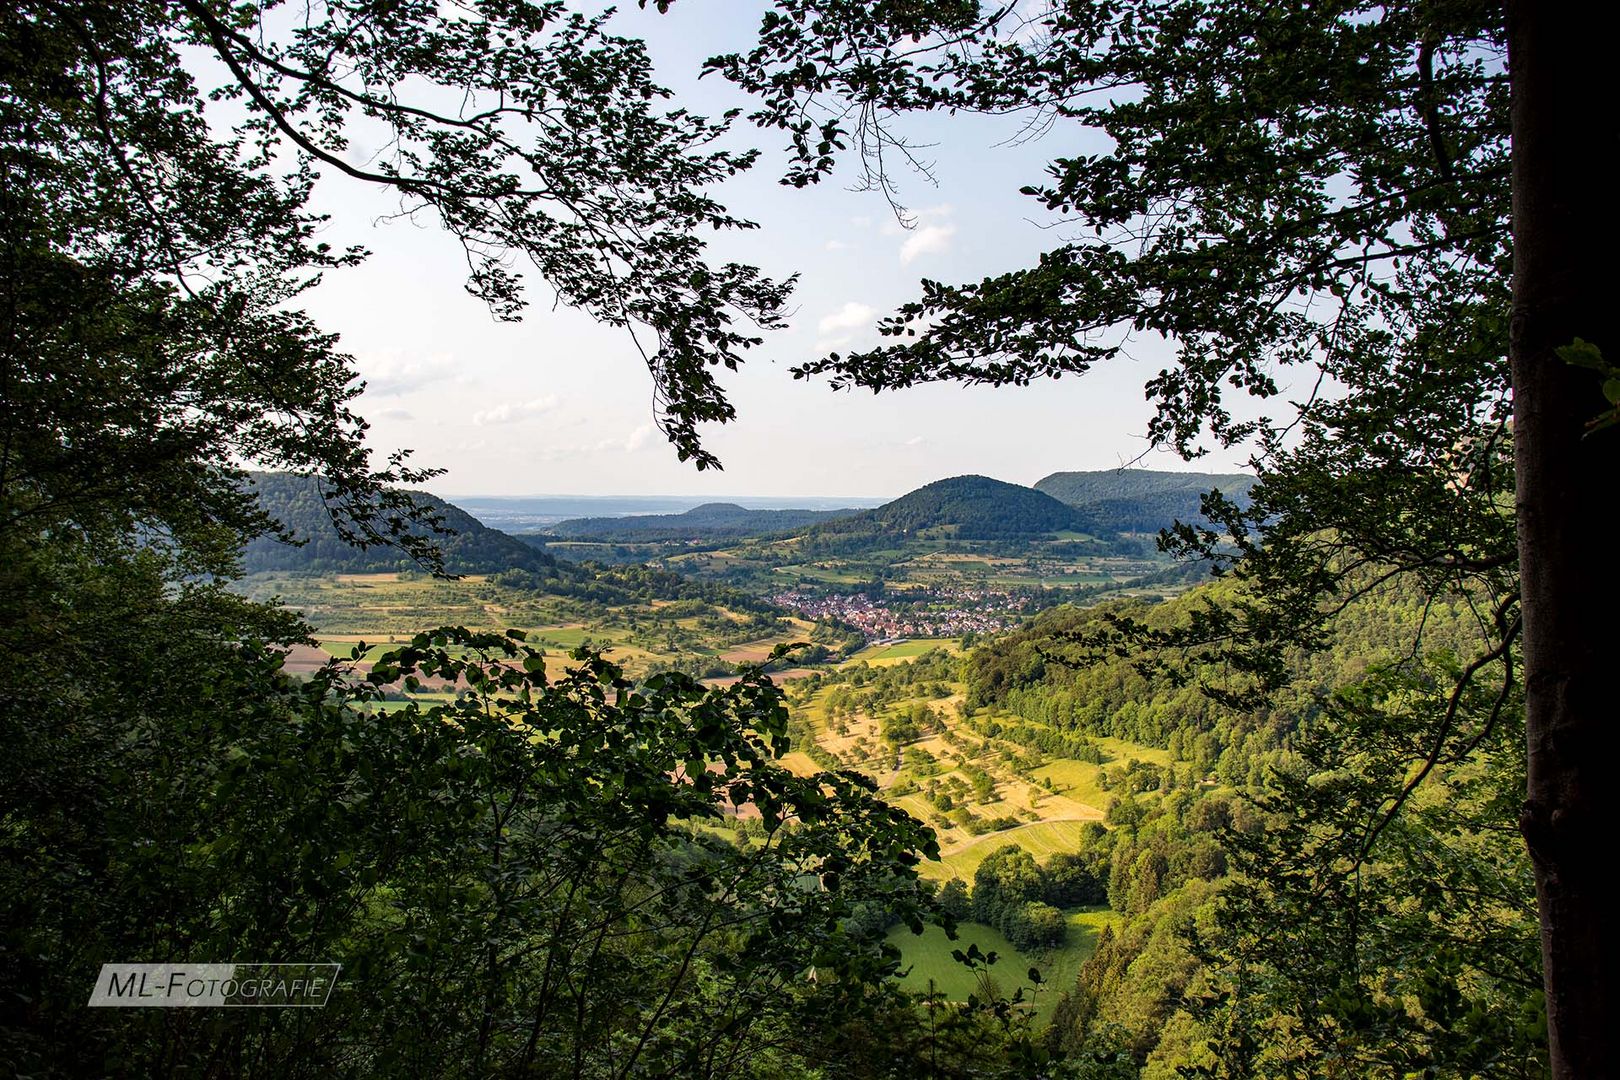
(1565, 241)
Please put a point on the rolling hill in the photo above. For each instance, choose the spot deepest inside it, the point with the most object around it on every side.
(965, 508)
(296, 502)
(1141, 500)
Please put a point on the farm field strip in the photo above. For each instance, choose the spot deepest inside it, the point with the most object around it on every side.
(385, 610)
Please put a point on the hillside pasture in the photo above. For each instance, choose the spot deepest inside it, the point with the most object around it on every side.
(880, 655)
(977, 793)
(1042, 839)
(928, 964)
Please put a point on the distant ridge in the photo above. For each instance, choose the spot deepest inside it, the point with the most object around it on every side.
(517, 515)
(711, 521)
(1142, 500)
(296, 502)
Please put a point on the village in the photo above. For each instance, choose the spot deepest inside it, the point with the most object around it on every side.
(956, 611)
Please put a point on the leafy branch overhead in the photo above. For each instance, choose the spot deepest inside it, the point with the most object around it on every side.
(1282, 186)
(559, 150)
(530, 132)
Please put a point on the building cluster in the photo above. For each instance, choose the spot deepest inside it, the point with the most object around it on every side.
(953, 613)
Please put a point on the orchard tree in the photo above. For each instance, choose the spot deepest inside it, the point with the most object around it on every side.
(1383, 223)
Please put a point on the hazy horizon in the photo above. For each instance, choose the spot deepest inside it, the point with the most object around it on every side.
(774, 501)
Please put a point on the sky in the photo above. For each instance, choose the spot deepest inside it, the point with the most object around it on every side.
(559, 405)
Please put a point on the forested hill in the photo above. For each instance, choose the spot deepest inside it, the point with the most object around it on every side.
(711, 521)
(1102, 692)
(1141, 500)
(296, 502)
(968, 508)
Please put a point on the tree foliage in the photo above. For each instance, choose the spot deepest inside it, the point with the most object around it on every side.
(968, 507)
(1142, 500)
(517, 878)
(148, 344)
(1359, 822)
(1310, 205)
(158, 234)
(513, 881)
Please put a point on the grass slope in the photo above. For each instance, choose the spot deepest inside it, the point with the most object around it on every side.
(1042, 839)
(1019, 808)
(928, 956)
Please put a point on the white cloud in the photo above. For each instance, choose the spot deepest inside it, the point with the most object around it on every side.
(638, 439)
(927, 231)
(852, 316)
(843, 326)
(392, 375)
(395, 414)
(514, 411)
(908, 220)
(927, 240)
(836, 245)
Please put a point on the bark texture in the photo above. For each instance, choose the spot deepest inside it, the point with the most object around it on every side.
(1565, 206)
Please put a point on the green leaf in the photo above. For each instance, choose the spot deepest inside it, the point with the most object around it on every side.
(1583, 354)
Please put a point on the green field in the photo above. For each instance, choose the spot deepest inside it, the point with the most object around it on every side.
(904, 650)
(1042, 839)
(928, 957)
(1079, 779)
(1119, 751)
(822, 574)
(344, 649)
(564, 637)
